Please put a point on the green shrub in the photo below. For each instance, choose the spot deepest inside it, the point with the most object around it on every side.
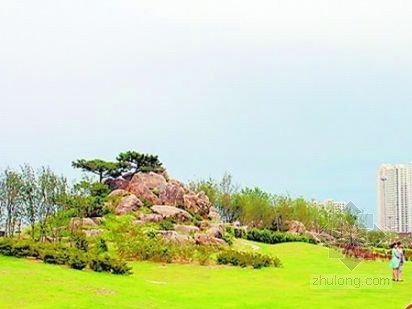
(24, 249)
(240, 232)
(100, 263)
(119, 267)
(101, 245)
(80, 242)
(6, 247)
(244, 259)
(270, 237)
(77, 261)
(18, 248)
(55, 256)
(204, 254)
(228, 238)
(107, 264)
(230, 230)
(167, 225)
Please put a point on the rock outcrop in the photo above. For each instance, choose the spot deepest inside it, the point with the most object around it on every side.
(156, 189)
(142, 191)
(116, 183)
(128, 204)
(152, 180)
(168, 199)
(175, 237)
(76, 223)
(173, 193)
(170, 212)
(186, 229)
(295, 227)
(197, 203)
(203, 239)
(154, 218)
(119, 192)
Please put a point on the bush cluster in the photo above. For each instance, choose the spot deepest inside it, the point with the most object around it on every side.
(240, 232)
(269, 237)
(244, 259)
(59, 254)
(143, 243)
(104, 263)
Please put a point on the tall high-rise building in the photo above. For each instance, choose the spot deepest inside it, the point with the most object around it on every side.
(395, 197)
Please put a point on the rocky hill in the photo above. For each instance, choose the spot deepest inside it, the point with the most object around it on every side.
(154, 197)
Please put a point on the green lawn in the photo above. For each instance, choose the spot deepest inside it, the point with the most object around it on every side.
(32, 284)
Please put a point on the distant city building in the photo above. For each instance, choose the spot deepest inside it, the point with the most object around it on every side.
(338, 205)
(330, 203)
(394, 184)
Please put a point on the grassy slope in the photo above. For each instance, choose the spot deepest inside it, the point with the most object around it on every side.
(32, 284)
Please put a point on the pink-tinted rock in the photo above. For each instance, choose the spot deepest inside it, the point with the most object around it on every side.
(80, 222)
(295, 227)
(116, 183)
(197, 203)
(215, 232)
(214, 215)
(128, 204)
(186, 229)
(203, 225)
(203, 239)
(143, 192)
(154, 218)
(173, 193)
(170, 212)
(152, 180)
(175, 237)
(118, 192)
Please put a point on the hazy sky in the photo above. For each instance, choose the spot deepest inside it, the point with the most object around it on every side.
(299, 97)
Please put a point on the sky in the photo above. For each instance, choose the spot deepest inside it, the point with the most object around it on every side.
(298, 97)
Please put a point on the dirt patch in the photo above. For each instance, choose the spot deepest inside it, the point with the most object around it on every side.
(103, 291)
(157, 282)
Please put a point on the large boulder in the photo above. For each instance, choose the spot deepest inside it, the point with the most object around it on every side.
(116, 183)
(170, 212)
(175, 237)
(197, 203)
(204, 225)
(214, 215)
(76, 223)
(154, 218)
(186, 229)
(216, 230)
(152, 180)
(295, 227)
(173, 193)
(203, 239)
(128, 204)
(118, 192)
(142, 191)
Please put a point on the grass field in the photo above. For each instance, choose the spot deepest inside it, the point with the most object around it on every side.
(32, 284)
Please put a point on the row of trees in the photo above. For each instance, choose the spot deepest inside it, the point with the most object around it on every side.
(256, 208)
(129, 162)
(29, 197)
(43, 201)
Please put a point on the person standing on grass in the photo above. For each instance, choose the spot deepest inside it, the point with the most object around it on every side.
(401, 260)
(395, 261)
